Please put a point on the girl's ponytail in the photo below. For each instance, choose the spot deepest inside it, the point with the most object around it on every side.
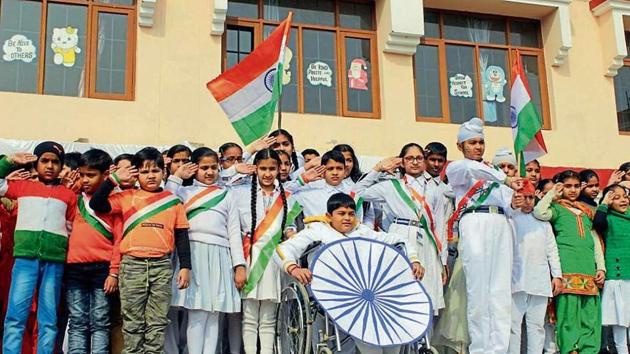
(254, 197)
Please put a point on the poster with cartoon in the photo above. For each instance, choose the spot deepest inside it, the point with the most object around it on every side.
(20, 48)
(65, 45)
(494, 82)
(461, 86)
(319, 73)
(357, 74)
(286, 66)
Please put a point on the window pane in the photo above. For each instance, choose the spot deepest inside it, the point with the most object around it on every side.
(622, 96)
(290, 76)
(494, 69)
(111, 53)
(65, 64)
(359, 69)
(532, 71)
(320, 72)
(317, 12)
(19, 36)
(428, 89)
(431, 24)
(239, 42)
(243, 8)
(474, 29)
(462, 79)
(117, 2)
(524, 33)
(355, 15)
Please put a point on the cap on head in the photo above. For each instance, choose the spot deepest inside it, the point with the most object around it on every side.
(528, 188)
(504, 155)
(49, 146)
(470, 130)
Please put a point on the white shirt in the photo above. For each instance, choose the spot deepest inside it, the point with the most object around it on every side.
(463, 174)
(289, 251)
(536, 257)
(314, 199)
(219, 226)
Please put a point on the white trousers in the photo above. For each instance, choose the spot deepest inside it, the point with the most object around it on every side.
(620, 334)
(202, 333)
(369, 349)
(259, 322)
(486, 251)
(533, 308)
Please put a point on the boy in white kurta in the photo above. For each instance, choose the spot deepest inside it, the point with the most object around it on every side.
(341, 213)
(536, 272)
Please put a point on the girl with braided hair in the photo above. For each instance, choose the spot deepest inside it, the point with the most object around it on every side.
(264, 211)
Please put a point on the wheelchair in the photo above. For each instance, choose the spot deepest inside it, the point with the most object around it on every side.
(296, 315)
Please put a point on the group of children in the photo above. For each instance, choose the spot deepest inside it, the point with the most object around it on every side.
(188, 246)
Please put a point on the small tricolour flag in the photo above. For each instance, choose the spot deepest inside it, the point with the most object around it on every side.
(526, 123)
(249, 91)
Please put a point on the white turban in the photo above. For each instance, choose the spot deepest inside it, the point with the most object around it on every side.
(504, 155)
(470, 130)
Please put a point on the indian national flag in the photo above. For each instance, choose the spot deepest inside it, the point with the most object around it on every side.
(526, 123)
(249, 91)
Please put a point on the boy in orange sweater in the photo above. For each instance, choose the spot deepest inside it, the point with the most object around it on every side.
(154, 225)
(92, 263)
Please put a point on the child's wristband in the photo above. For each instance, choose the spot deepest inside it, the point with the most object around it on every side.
(113, 275)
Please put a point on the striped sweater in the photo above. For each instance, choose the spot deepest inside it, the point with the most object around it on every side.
(44, 218)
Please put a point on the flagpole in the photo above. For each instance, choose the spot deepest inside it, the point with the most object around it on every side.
(287, 33)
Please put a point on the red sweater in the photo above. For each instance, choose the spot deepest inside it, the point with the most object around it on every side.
(94, 237)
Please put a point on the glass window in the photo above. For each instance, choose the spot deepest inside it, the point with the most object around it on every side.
(462, 79)
(524, 33)
(117, 2)
(428, 85)
(19, 37)
(111, 53)
(316, 12)
(495, 71)
(463, 69)
(320, 68)
(65, 44)
(355, 15)
(243, 8)
(291, 72)
(431, 24)
(532, 72)
(622, 97)
(474, 29)
(239, 43)
(329, 67)
(359, 74)
(81, 47)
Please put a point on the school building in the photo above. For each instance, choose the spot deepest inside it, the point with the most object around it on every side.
(371, 73)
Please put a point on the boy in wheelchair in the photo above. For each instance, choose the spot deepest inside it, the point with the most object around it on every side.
(341, 223)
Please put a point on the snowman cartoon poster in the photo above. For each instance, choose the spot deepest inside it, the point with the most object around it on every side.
(357, 74)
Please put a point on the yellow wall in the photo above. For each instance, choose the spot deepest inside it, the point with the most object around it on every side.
(178, 55)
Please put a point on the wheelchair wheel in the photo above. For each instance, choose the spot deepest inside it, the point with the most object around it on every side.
(430, 350)
(324, 350)
(293, 324)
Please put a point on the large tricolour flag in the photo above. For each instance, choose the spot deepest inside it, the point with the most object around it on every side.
(526, 123)
(249, 91)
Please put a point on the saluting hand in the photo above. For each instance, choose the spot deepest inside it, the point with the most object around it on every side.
(18, 175)
(127, 173)
(22, 158)
(187, 170)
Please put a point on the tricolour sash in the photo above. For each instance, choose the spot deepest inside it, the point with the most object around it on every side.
(462, 206)
(152, 206)
(204, 201)
(92, 219)
(423, 213)
(359, 203)
(259, 248)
